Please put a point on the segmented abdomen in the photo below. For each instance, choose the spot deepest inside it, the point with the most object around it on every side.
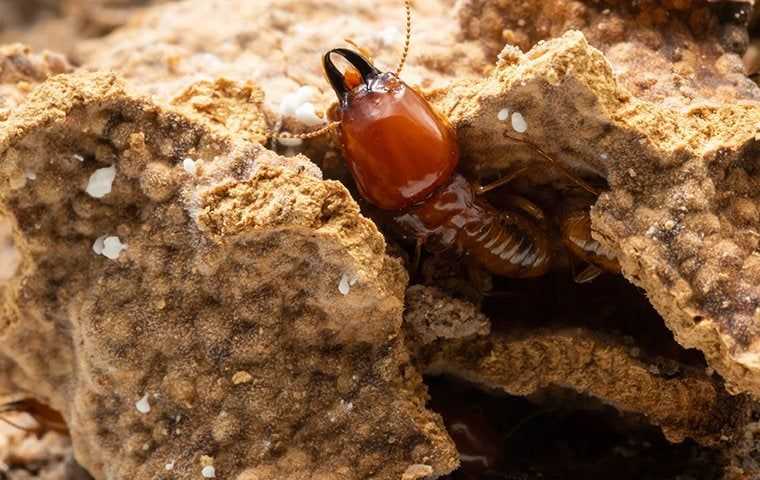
(504, 243)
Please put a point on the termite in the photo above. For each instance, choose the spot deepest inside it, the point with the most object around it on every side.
(403, 157)
(575, 227)
(48, 419)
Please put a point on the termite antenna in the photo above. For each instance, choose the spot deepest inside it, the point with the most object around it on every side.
(407, 38)
(306, 135)
(580, 182)
(273, 134)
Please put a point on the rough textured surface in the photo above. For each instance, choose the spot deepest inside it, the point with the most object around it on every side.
(278, 43)
(226, 308)
(431, 314)
(62, 24)
(746, 451)
(672, 52)
(226, 104)
(20, 69)
(685, 403)
(234, 269)
(681, 206)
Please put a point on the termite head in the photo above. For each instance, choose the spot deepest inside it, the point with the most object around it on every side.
(398, 148)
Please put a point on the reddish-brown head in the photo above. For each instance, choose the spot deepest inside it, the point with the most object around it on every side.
(397, 147)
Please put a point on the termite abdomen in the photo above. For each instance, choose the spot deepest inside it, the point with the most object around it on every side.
(504, 243)
(508, 244)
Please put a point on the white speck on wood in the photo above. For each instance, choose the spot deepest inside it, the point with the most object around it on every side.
(344, 286)
(306, 114)
(519, 123)
(101, 182)
(189, 165)
(142, 405)
(208, 471)
(292, 101)
(97, 247)
(112, 247)
(503, 114)
(389, 36)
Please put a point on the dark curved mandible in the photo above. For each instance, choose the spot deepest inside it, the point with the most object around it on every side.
(365, 68)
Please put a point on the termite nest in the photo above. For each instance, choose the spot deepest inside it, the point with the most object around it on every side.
(199, 288)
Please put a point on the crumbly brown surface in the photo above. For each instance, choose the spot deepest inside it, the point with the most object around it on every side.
(234, 269)
(681, 206)
(672, 52)
(20, 69)
(431, 315)
(684, 403)
(245, 315)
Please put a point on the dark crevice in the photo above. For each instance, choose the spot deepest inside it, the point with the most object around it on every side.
(609, 304)
(559, 434)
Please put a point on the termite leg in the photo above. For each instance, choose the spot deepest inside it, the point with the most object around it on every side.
(526, 206)
(588, 274)
(565, 171)
(483, 189)
(417, 257)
